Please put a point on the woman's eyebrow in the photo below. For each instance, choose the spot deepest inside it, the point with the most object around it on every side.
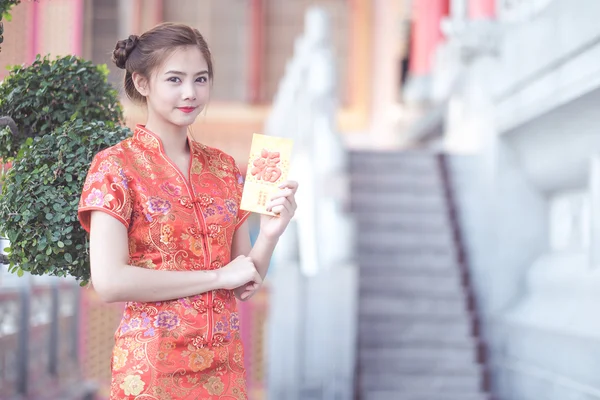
(204, 72)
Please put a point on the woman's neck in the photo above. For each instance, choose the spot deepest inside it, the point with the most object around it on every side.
(173, 138)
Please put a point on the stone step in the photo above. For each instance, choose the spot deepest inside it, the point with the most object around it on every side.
(421, 367)
(419, 332)
(390, 186)
(447, 286)
(374, 319)
(407, 239)
(429, 226)
(418, 268)
(398, 200)
(382, 222)
(395, 182)
(392, 161)
(419, 395)
(395, 250)
(392, 154)
(409, 202)
(405, 262)
(469, 382)
(377, 340)
(418, 359)
(388, 254)
(424, 366)
(410, 306)
(391, 220)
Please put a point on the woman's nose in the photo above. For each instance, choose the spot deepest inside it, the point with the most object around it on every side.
(189, 92)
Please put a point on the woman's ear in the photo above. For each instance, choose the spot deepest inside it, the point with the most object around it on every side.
(141, 83)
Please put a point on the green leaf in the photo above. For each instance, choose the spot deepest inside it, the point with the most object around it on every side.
(103, 69)
(20, 272)
(40, 193)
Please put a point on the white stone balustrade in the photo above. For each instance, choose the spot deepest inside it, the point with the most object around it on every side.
(313, 278)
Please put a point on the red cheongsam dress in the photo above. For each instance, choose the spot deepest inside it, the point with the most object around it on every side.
(188, 348)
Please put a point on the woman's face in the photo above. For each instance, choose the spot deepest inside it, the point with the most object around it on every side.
(179, 89)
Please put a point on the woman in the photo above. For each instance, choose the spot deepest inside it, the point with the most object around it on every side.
(167, 235)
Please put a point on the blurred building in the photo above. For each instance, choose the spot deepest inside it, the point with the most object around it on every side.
(511, 93)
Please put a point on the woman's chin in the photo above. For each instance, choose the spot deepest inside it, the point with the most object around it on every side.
(184, 121)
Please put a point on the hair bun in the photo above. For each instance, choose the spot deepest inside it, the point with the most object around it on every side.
(123, 49)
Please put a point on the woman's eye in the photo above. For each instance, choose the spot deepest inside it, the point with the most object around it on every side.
(202, 79)
(173, 79)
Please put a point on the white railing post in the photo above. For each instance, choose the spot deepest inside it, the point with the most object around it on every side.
(319, 245)
(594, 202)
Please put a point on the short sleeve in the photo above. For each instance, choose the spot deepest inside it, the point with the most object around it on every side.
(242, 215)
(106, 189)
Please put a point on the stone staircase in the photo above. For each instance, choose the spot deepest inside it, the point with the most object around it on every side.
(417, 336)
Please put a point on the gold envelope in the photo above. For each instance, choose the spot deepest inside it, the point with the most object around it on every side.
(268, 167)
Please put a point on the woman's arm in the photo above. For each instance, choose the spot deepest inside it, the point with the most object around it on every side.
(260, 254)
(271, 228)
(115, 280)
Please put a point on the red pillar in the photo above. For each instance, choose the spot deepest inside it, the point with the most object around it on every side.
(256, 12)
(136, 22)
(482, 9)
(34, 42)
(426, 33)
(159, 12)
(77, 38)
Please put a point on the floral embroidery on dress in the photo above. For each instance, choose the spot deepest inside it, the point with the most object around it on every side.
(183, 348)
(214, 386)
(200, 359)
(132, 385)
(98, 198)
(171, 189)
(156, 205)
(167, 320)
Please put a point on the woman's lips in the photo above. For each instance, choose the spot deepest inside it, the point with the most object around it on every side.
(186, 109)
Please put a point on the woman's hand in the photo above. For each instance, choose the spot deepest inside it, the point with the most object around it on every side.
(239, 272)
(246, 291)
(284, 206)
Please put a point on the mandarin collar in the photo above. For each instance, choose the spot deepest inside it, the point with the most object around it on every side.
(151, 140)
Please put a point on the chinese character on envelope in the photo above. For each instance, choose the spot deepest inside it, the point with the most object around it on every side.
(268, 168)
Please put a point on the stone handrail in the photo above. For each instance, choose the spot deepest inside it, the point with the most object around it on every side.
(555, 380)
(313, 282)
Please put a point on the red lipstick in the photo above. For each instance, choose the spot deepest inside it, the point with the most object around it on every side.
(186, 110)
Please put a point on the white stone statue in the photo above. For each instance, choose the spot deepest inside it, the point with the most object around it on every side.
(312, 263)
(304, 109)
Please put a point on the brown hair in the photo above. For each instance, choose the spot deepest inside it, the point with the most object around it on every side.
(143, 53)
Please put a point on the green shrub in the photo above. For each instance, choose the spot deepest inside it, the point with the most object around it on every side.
(40, 195)
(41, 97)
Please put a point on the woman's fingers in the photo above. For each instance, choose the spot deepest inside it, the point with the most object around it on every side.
(293, 185)
(249, 290)
(280, 204)
(282, 194)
